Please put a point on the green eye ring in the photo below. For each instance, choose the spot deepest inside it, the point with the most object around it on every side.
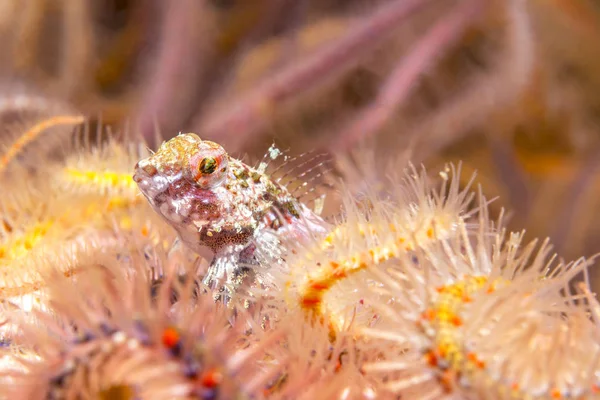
(208, 165)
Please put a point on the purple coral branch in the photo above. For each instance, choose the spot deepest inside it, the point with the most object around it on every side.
(575, 193)
(511, 174)
(178, 58)
(248, 115)
(77, 46)
(402, 79)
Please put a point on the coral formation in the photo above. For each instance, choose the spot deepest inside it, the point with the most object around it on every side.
(412, 291)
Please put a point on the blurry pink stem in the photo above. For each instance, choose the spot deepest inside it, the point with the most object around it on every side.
(511, 174)
(577, 190)
(402, 79)
(248, 115)
(179, 52)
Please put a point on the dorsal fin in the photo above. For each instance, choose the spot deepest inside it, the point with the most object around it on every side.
(306, 175)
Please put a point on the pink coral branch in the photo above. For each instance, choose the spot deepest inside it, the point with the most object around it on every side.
(511, 174)
(402, 79)
(575, 194)
(77, 47)
(248, 115)
(178, 58)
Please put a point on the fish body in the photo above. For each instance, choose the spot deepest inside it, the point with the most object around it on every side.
(218, 203)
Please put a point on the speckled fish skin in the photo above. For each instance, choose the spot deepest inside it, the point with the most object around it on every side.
(218, 203)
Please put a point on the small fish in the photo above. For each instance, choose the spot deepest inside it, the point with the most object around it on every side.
(216, 202)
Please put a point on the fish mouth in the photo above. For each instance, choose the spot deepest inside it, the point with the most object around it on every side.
(145, 176)
(140, 176)
(137, 178)
(146, 167)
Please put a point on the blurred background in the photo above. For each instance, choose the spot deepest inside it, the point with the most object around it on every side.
(509, 87)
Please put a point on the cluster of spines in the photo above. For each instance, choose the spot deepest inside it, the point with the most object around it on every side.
(103, 168)
(461, 369)
(410, 245)
(62, 209)
(443, 319)
(451, 263)
(362, 242)
(466, 288)
(106, 333)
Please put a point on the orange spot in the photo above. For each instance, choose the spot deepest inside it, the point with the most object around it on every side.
(475, 360)
(556, 394)
(145, 231)
(514, 386)
(429, 314)
(447, 380)
(456, 321)
(170, 337)
(319, 286)
(442, 350)
(430, 233)
(338, 366)
(310, 301)
(431, 359)
(7, 226)
(331, 328)
(340, 274)
(334, 265)
(211, 378)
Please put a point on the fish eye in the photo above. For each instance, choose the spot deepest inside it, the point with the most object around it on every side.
(208, 165)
